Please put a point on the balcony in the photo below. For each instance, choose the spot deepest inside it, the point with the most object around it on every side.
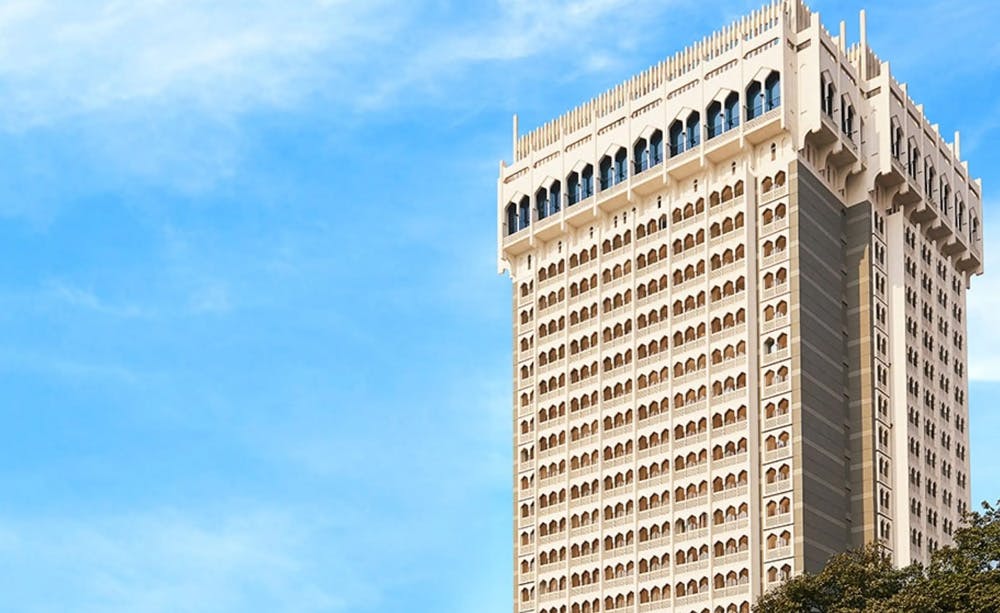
(739, 557)
(735, 492)
(728, 301)
(739, 525)
(774, 258)
(551, 596)
(720, 147)
(777, 421)
(580, 213)
(654, 512)
(732, 591)
(655, 575)
(728, 333)
(584, 530)
(774, 226)
(772, 292)
(663, 541)
(774, 521)
(691, 599)
(685, 163)
(554, 280)
(763, 127)
(774, 324)
(648, 178)
(778, 387)
(691, 503)
(618, 582)
(775, 193)
(660, 451)
(778, 553)
(780, 453)
(740, 427)
(776, 356)
(690, 535)
(733, 460)
(616, 462)
(729, 396)
(614, 197)
(627, 551)
(688, 409)
(781, 485)
(656, 482)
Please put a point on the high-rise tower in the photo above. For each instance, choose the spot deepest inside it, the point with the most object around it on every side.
(739, 338)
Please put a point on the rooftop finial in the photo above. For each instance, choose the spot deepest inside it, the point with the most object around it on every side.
(864, 45)
(515, 136)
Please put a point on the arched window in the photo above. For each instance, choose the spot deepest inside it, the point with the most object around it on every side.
(896, 143)
(511, 218)
(772, 91)
(716, 122)
(621, 165)
(607, 172)
(755, 100)
(525, 213)
(847, 117)
(554, 195)
(542, 203)
(656, 148)
(587, 182)
(573, 188)
(693, 129)
(676, 138)
(829, 94)
(732, 114)
(640, 153)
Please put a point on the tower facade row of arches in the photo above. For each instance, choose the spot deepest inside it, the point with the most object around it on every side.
(683, 134)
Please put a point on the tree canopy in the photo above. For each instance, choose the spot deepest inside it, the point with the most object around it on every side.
(964, 577)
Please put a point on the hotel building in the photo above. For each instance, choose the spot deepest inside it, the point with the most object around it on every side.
(739, 324)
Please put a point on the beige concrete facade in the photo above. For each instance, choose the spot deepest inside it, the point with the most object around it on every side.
(739, 347)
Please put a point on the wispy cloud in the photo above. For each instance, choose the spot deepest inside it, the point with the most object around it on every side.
(513, 32)
(86, 299)
(162, 560)
(68, 367)
(61, 58)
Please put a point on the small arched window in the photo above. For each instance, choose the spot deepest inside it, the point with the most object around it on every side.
(524, 213)
(511, 218)
(716, 121)
(693, 129)
(732, 113)
(755, 100)
(676, 138)
(772, 91)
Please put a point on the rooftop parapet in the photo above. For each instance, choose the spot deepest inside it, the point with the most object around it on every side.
(656, 76)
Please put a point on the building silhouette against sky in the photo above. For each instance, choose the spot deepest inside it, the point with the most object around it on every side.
(739, 338)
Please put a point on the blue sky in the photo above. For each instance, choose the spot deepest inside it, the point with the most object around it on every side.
(255, 352)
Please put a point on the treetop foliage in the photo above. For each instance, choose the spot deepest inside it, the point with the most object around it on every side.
(964, 577)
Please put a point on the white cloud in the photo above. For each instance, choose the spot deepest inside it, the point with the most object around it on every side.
(60, 58)
(165, 561)
(519, 30)
(87, 299)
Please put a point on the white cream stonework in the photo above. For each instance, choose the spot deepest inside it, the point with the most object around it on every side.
(745, 351)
